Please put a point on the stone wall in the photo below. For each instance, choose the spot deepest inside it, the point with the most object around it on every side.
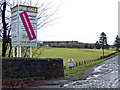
(32, 67)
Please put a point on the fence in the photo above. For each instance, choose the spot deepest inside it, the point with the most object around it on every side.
(88, 61)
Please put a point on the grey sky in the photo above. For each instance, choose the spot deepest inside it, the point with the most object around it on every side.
(81, 20)
(84, 20)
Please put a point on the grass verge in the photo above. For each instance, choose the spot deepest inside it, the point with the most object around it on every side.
(80, 70)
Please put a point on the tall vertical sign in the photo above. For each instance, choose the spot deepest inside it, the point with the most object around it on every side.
(23, 27)
(27, 26)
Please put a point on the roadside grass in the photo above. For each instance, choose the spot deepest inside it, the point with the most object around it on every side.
(80, 70)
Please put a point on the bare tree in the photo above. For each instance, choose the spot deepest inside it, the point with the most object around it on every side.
(46, 15)
(4, 45)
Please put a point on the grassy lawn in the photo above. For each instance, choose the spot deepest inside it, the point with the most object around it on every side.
(69, 53)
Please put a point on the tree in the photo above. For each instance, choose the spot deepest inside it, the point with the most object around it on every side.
(86, 45)
(4, 44)
(97, 45)
(103, 41)
(46, 15)
(117, 43)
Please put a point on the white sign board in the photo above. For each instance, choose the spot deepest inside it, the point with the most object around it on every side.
(70, 63)
(27, 34)
(14, 28)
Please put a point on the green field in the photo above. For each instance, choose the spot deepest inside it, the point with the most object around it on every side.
(69, 53)
(65, 53)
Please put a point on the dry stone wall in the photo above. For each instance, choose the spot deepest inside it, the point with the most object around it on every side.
(32, 67)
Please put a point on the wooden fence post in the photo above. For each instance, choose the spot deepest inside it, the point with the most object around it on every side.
(84, 62)
(79, 63)
(76, 64)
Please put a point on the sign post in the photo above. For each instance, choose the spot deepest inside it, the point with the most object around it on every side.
(24, 27)
(70, 63)
(35, 37)
(30, 51)
(13, 51)
(18, 47)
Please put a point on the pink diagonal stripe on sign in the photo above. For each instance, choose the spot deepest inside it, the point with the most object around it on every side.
(28, 20)
(26, 27)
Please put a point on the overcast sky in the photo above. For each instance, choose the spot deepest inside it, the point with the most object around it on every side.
(83, 21)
